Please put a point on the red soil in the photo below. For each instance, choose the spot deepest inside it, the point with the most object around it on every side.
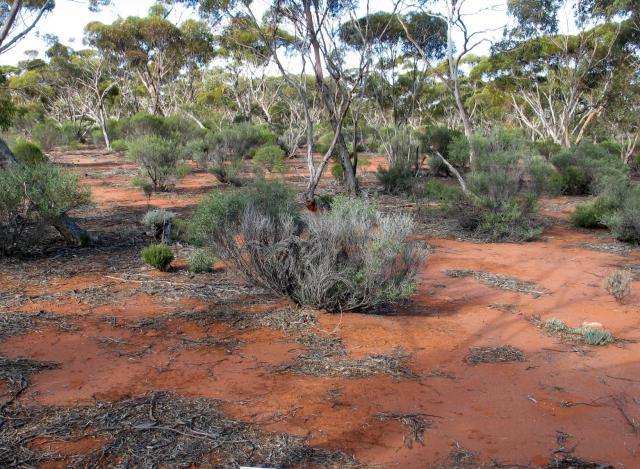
(508, 412)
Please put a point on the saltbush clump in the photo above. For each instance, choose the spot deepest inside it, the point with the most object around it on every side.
(160, 220)
(158, 256)
(618, 284)
(28, 153)
(200, 261)
(119, 145)
(158, 159)
(351, 257)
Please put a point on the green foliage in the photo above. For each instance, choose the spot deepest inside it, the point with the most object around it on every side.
(592, 214)
(49, 134)
(337, 171)
(548, 148)
(583, 168)
(618, 284)
(158, 256)
(624, 222)
(158, 159)
(158, 220)
(28, 153)
(200, 261)
(225, 151)
(32, 196)
(227, 207)
(396, 180)
(271, 157)
(441, 140)
(119, 145)
(592, 336)
(438, 191)
(506, 182)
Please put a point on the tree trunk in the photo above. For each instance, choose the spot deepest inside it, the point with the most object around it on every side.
(351, 181)
(6, 155)
(70, 230)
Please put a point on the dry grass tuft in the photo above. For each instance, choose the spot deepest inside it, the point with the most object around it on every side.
(502, 354)
(416, 424)
(501, 281)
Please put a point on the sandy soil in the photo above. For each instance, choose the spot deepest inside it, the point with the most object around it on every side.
(563, 399)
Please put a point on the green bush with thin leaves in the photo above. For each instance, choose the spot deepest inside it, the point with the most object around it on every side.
(28, 153)
(158, 159)
(158, 256)
(32, 197)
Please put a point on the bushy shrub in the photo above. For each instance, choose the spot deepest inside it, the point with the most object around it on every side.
(158, 256)
(160, 220)
(158, 159)
(584, 168)
(441, 140)
(506, 181)
(200, 261)
(396, 180)
(337, 171)
(33, 196)
(592, 214)
(271, 157)
(119, 145)
(349, 258)
(624, 222)
(548, 148)
(48, 135)
(225, 151)
(438, 191)
(618, 284)
(28, 153)
(226, 207)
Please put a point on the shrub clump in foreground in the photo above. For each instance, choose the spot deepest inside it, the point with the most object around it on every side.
(349, 258)
(33, 197)
(158, 256)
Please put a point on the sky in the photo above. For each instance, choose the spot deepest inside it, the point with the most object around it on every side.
(68, 19)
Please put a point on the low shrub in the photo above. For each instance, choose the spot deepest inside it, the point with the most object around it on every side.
(34, 196)
(158, 256)
(159, 220)
(506, 182)
(337, 171)
(226, 207)
(438, 191)
(49, 134)
(158, 159)
(349, 258)
(442, 140)
(224, 152)
(618, 284)
(396, 180)
(200, 261)
(119, 145)
(28, 153)
(624, 222)
(592, 214)
(592, 336)
(584, 168)
(548, 148)
(271, 157)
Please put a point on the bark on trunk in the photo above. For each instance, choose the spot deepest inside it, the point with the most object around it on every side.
(71, 231)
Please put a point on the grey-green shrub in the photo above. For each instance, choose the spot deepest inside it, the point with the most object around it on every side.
(159, 220)
(158, 159)
(158, 256)
(350, 258)
(506, 182)
(200, 261)
(119, 145)
(618, 284)
(33, 196)
(592, 336)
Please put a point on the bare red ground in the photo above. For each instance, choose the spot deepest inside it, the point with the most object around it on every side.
(508, 413)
